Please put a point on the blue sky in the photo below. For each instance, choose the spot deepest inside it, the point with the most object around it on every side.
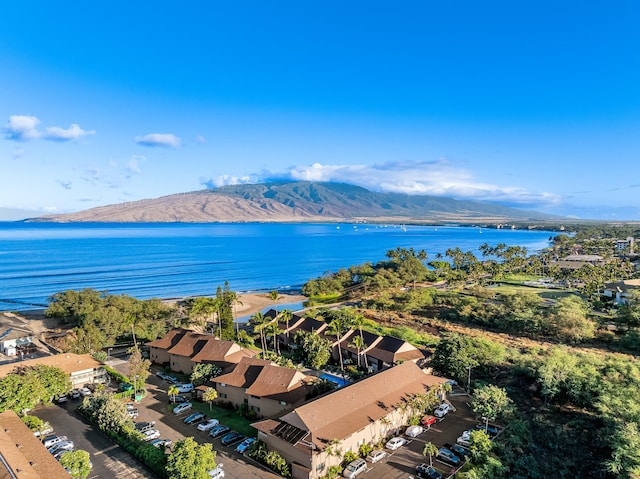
(534, 105)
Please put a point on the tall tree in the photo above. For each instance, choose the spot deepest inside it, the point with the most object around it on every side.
(190, 460)
(286, 316)
(209, 396)
(430, 450)
(77, 463)
(173, 391)
(489, 402)
(275, 296)
(358, 343)
(138, 368)
(336, 328)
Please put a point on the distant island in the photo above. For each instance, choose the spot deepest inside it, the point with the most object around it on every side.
(299, 201)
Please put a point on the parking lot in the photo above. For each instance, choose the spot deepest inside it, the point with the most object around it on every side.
(112, 462)
(401, 463)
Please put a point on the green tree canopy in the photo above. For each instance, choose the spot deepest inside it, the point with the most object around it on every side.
(77, 463)
(190, 460)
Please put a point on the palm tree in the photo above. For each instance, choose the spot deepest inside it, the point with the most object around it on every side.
(275, 296)
(358, 321)
(286, 315)
(259, 323)
(203, 307)
(360, 345)
(173, 392)
(210, 395)
(335, 328)
(430, 450)
(273, 329)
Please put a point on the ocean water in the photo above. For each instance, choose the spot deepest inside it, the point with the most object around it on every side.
(180, 260)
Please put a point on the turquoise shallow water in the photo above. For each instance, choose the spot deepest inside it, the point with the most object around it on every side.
(178, 260)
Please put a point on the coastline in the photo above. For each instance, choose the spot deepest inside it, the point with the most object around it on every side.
(247, 305)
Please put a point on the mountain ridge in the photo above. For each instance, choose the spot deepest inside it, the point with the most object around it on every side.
(298, 201)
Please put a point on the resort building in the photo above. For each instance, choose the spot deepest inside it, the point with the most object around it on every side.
(362, 413)
(15, 341)
(81, 368)
(22, 455)
(263, 387)
(620, 291)
(182, 349)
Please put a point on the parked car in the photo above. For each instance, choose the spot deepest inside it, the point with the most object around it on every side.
(446, 455)
(219, 430)
(85, 391)
(492, 431)
(428, 421)
(132, 413)
(162, 375)
(458, 450)
(194, 418)
(161, 443)
(151, 434)
(464, 441)
(61, 446)
(246, 444)
(377, 455)
(52, 440)
(62, 399)
(428, 472)
(144, 426)
(205, 426)
(395, 443)
(216, 473)
(46, 430)
(180, 408)
(75, 394)
(178, 399)
(231, 438)
(185, 388)
(354, 468)
(442, 410)
(414, 431)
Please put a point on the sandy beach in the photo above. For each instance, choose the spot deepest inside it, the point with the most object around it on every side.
(252, 303)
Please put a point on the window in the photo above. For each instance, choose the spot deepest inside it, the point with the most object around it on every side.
(222, 385)
(223, 395)
(255, 408)
(246, 401)
(283, 403)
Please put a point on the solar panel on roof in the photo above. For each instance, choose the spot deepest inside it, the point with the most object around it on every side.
(289, 433)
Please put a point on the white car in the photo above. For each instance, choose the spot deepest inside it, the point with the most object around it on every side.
(185, 388)
(375, 456)
(395, 443)
(216, 473)
(354, 468)
(414, 431)
(53, 440)
(151, 434)
(442, 410)
(85, 391)
(205, 426)
(180, 408)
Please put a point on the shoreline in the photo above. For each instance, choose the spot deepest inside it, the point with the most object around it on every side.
(247, 305)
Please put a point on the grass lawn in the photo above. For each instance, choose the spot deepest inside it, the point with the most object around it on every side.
(228, 417)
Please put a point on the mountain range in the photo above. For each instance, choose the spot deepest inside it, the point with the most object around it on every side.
(299, 201)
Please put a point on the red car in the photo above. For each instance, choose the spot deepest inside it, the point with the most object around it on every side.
(428, 421)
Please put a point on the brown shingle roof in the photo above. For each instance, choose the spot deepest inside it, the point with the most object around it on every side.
(170, 339)
(350, 409)
(22, 451)
(244, 374)
(68, 362)
(280, 384)
(391, 350)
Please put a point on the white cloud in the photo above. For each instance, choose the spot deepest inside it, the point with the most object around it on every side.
(74, 132)
(22, 128)
(437, 178)
(229, 180)
(166, 140)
